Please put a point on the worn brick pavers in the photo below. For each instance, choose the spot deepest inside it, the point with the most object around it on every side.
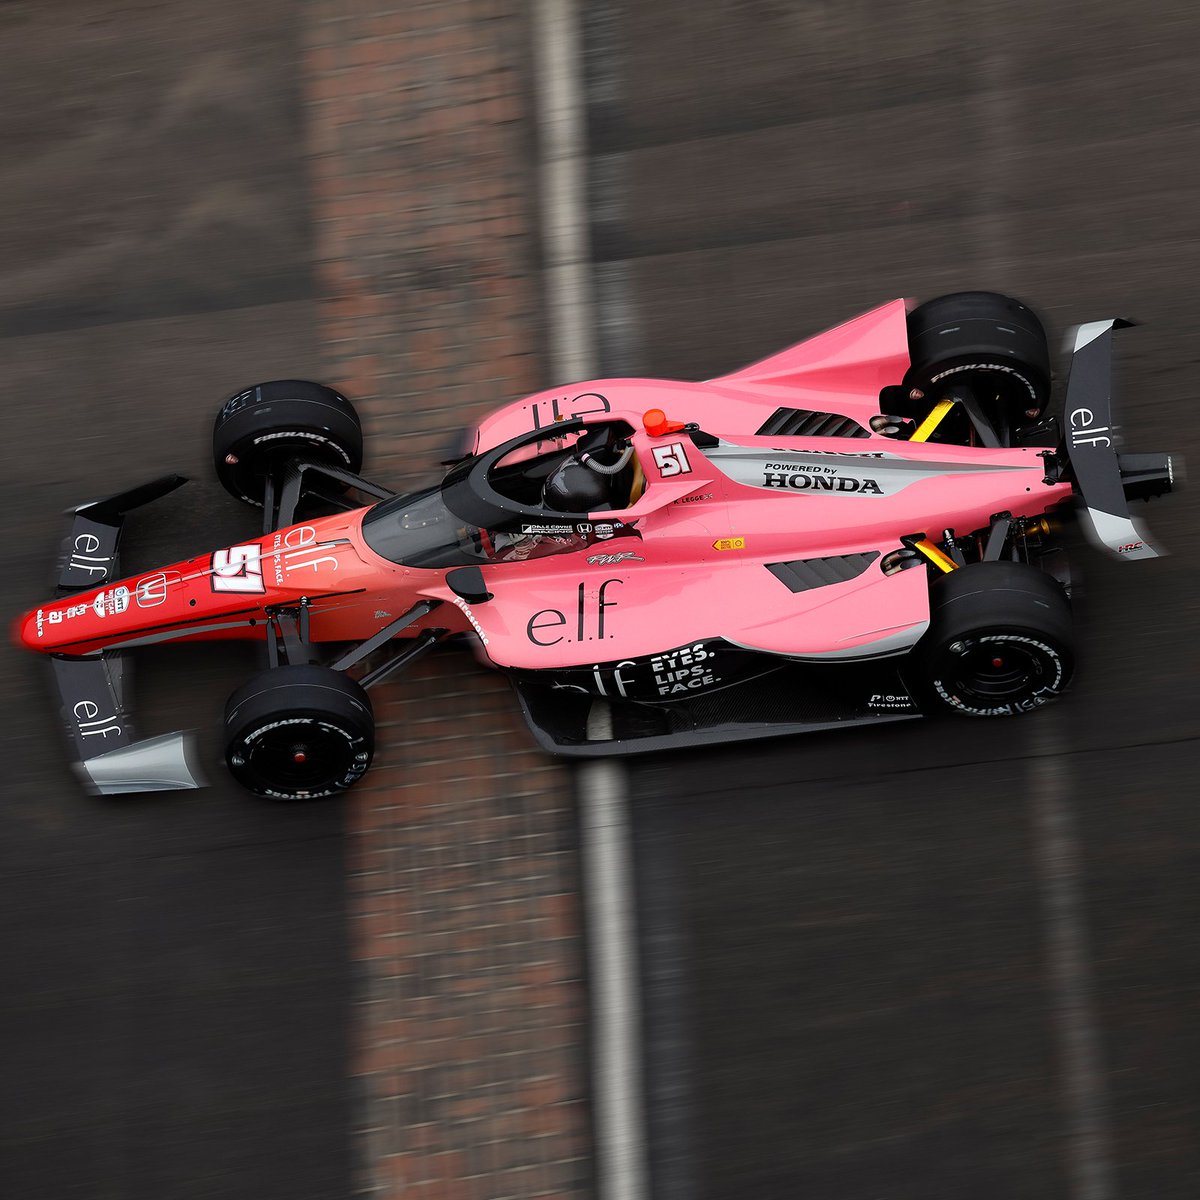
(463, 862)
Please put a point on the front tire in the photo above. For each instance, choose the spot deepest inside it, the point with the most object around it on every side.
(260, 429)
(999, 643)
(299, 733)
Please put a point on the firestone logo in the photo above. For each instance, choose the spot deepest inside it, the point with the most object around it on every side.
(461, 603)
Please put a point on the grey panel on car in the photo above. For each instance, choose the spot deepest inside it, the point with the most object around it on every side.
(804, 574)
(802, 422)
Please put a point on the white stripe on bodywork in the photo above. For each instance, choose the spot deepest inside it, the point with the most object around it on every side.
(896, 640)
(889, 473)
(1122, 536)
(168, 635)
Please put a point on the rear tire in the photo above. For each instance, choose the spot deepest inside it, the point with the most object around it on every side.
(993, 344)
(260, 429)
(299, 733)
(1000, 641)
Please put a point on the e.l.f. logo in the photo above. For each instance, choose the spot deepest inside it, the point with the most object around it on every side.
(544, 623)
(1082, 432)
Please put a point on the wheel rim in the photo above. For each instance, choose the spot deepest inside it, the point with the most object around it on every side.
(1000, 673)
(299, 757)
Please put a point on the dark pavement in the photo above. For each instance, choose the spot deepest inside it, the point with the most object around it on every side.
(176, 997)
(873, 962)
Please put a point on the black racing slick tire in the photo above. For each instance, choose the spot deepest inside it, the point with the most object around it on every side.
(299, 733)
(260, 429)
(999, 643)
(993, 344)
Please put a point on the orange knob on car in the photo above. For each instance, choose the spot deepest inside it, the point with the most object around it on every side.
(655, 423)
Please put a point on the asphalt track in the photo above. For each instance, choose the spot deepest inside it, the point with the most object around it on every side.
(952, 958)
(176, 989)
(910, 962)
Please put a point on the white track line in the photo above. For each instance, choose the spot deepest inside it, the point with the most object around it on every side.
(1056, 850)
(1060, 874)
(604, 822)
(563, 151)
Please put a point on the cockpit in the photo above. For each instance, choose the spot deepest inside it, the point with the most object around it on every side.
(515, 502)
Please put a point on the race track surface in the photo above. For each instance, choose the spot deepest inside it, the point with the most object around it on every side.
(931, 960)
(948, 958)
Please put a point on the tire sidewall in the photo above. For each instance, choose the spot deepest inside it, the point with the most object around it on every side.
(305, 698)
(283, 419)
(992, 604)
(1045, 646)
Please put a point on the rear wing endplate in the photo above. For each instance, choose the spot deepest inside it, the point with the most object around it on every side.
(1091, 439)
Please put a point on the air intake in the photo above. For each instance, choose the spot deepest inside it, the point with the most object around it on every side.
(802, 422)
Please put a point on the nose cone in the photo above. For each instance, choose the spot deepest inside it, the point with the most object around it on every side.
(49, 627)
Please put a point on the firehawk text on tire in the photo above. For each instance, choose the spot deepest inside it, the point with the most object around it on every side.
(999, 641)
(260, 429)
(299, 733)
(993, 344)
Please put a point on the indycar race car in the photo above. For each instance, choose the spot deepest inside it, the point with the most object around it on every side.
(861, 528)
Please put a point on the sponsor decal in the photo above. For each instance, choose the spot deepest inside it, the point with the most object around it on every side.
(555, 530)
(565, 408)
(605, 529)
(611, 560)
(889, 700)
(112, 602)
(543, 628)
(604, 679)
(1085, 431)
(151, 591)
(1130, 547)
(295, 549)
(693, 499)
(802, 481)
(466, 609)
(41, 620)
(688, 669)
(671, 675)
(84, 557)
(90, 723)
(730, 543)
(238, 569)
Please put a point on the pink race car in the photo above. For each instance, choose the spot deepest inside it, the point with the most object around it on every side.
(861, 528)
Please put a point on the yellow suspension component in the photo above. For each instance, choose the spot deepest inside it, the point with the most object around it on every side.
(935, 555)
(936, 415)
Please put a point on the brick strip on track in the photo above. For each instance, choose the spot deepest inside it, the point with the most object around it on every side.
(464, 910)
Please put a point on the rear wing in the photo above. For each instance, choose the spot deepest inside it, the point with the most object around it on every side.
(1104, 479)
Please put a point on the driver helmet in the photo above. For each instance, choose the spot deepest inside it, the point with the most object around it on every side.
(574, 488)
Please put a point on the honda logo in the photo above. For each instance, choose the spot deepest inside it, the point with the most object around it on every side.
(152, 591)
